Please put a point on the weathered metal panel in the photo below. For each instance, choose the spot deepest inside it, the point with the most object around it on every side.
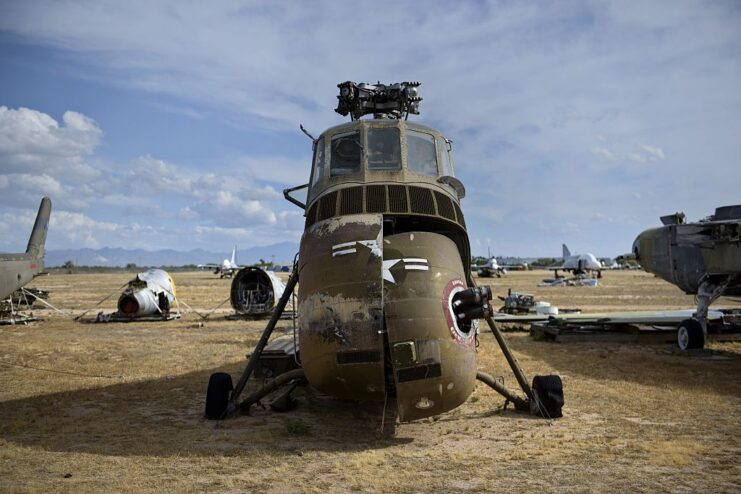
(341, 305)
(434, 361)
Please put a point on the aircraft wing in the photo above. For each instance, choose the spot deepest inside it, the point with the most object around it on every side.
(208, 265)
(663, 317)
(558, 266)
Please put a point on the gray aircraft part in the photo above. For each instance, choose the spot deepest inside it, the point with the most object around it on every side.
(255, 292)
(701, 258)
(16, 270)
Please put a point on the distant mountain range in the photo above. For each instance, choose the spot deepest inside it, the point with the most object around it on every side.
(280, 253)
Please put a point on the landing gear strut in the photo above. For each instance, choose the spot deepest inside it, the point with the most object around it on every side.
(544, 398)
(222, 401)
(692, 333)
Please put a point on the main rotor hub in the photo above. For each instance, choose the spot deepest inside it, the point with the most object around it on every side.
(381, 100)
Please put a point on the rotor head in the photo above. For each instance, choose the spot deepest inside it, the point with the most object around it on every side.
(381, 100)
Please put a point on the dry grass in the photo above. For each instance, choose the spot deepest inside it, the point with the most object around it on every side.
(118, 406)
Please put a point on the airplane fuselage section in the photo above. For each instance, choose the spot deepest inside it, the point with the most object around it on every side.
(685, 254)
(16, 270)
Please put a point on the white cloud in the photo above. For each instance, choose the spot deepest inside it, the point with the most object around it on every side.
(654, 153)
(33, 142)
(603, 153)
(230, 209)
(233, 233)
(570, 106)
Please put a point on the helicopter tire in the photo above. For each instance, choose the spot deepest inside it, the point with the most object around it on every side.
(548, 390)
(690, 335)
(217, 395)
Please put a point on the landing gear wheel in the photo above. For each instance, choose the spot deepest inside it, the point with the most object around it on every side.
(548, 391)
(217, 395)
(690, 335)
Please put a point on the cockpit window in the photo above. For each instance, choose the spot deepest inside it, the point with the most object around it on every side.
(384, 149)
(446, 165)
(319, 161)
(345, 154)
(421, 155)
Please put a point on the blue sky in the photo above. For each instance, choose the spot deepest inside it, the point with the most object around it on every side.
(175, 124)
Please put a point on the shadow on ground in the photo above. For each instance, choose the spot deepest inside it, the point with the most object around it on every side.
(654, 365)
(163, 417)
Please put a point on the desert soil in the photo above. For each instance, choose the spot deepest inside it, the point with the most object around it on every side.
(118, 407)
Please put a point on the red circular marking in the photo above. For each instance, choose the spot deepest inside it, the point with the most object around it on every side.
(453, 287)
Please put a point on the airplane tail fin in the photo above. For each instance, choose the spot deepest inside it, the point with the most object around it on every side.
(38, 234)
(234, 255)
(566, 252)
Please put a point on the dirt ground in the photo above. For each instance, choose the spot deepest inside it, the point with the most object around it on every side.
(118, 407)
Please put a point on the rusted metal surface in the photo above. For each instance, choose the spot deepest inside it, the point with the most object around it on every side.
(341, 305)
(433, 359)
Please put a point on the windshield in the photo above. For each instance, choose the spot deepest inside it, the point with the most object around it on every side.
(446, 165)
(384, 149)
(318, 161)
(422, 156)
(345, 154)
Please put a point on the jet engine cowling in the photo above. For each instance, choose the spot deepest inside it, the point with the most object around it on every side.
(255, 291)
(151, 292)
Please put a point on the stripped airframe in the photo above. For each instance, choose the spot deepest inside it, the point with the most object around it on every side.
(701, 258)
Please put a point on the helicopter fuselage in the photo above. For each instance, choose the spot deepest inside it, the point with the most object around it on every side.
(384, 252)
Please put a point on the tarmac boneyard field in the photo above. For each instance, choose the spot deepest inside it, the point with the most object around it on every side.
(118, 407)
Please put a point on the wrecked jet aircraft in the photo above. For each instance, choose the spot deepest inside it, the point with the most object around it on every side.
(150, 295)
(387, 308)
(226, 268)
(255, 292)
(491, 268)
(577, 264)
(16, 270)
(701, 258)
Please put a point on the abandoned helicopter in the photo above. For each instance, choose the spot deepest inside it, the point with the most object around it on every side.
(701, 258)
(387, 308)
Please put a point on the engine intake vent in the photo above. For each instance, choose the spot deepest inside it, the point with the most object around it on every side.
(398, 199)
(444, 206)
(351, 200)
(327, 206)
(421, 200)
(459, 215)
(311, 215)
(375, 196)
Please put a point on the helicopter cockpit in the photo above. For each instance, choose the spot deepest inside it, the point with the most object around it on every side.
(378, 151)
(385, 165)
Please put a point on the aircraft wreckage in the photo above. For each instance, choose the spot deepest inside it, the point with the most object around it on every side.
(255, 292)
(701, 258)
(387, 308)
(149, 296)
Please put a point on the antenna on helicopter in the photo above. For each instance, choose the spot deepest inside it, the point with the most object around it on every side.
(382, 100)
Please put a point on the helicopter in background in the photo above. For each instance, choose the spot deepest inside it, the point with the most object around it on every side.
(387, 308)
(701, 258)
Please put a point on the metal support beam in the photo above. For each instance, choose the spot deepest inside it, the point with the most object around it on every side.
(279, 381)
(520, 404)
(519, 374)
(254, 357)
